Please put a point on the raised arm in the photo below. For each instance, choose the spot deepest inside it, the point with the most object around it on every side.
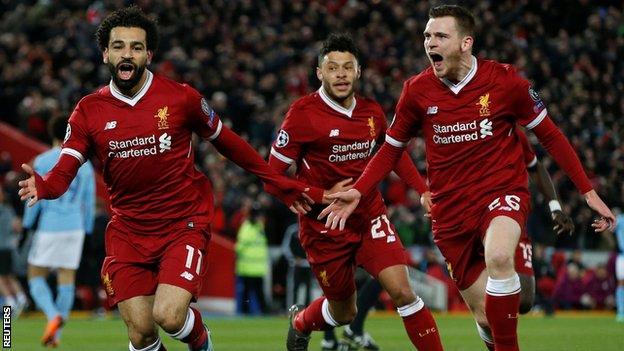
(562, 152)
(232, 146)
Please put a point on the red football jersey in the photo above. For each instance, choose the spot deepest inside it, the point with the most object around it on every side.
(530, 159)
(144, 146)
(329, 143)
(471, 148)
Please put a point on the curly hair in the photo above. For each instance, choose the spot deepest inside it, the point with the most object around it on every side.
(131, 16)
(338, 42)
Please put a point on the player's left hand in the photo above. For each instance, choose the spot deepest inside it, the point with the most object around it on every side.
(340, 209)
(607, 219)
(563, 223)
(28, 188)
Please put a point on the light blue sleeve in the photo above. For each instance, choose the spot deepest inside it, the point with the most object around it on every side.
(31, 213)
(88, 197)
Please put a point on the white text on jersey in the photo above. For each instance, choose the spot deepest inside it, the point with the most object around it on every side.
(471, 132)
(139, 146)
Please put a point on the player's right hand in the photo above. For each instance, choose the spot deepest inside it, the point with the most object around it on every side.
(425, 201)
(340, 209)
(341, 186)
(607, 219)
(563, 223)
(28, 189)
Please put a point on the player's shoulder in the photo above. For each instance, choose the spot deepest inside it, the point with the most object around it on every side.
(171, 86)
(424, 77)
(423, 83)
(499, 69)
(311, 100)
(301, 107)
(367, 101)
(95, 97)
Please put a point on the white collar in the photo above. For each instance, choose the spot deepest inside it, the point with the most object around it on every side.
(135, 99)
(334, 105)
(456, 88)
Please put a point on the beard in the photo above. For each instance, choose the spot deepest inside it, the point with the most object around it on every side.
(126, 85)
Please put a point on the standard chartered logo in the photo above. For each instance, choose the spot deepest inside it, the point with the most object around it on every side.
(462, 132)
(350, 152)
(486, 128)
(165, 142)
(139, 146)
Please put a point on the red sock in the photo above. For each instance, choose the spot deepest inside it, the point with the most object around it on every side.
(423, 331)
(197, 337)
(311, 318)
(502, 315)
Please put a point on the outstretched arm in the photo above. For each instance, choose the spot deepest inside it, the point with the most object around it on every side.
(346, 202)
(539, 175)
(51, 185)
(232, 146)
(562, 152)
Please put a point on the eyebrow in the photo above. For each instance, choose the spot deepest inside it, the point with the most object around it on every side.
(132, 43)
(338, 63)
(436, 33)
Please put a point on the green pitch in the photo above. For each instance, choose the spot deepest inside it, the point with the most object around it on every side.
(580, 332)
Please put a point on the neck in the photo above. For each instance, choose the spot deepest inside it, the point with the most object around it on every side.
(347, 102)
(465, 65)
(56, 143)
(135, 89)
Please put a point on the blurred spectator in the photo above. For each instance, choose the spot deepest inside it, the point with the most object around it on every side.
(544, 279)
(599, 289)
(252, 263)
(299, 272)
(569, 288)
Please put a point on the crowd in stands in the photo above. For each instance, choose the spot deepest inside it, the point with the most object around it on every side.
(251, 59)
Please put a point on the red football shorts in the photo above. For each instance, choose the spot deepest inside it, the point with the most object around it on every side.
(334, 254)
(461, 243)
(136, 263)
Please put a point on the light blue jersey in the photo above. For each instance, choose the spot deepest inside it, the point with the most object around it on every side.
(74, 210)
(619, 232)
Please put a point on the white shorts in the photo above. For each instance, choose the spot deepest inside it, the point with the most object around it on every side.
(619, 267)
(57, 249)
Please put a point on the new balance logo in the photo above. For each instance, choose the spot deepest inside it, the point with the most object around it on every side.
(110, 125)
(432, 110)
(334, 133)
(186, 275)
(165, 142)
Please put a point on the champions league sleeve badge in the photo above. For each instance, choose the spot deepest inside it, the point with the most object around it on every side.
(282, 138)
(208, 111)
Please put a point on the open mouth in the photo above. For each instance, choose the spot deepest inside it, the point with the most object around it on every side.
(436, 59)
(125, 70)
